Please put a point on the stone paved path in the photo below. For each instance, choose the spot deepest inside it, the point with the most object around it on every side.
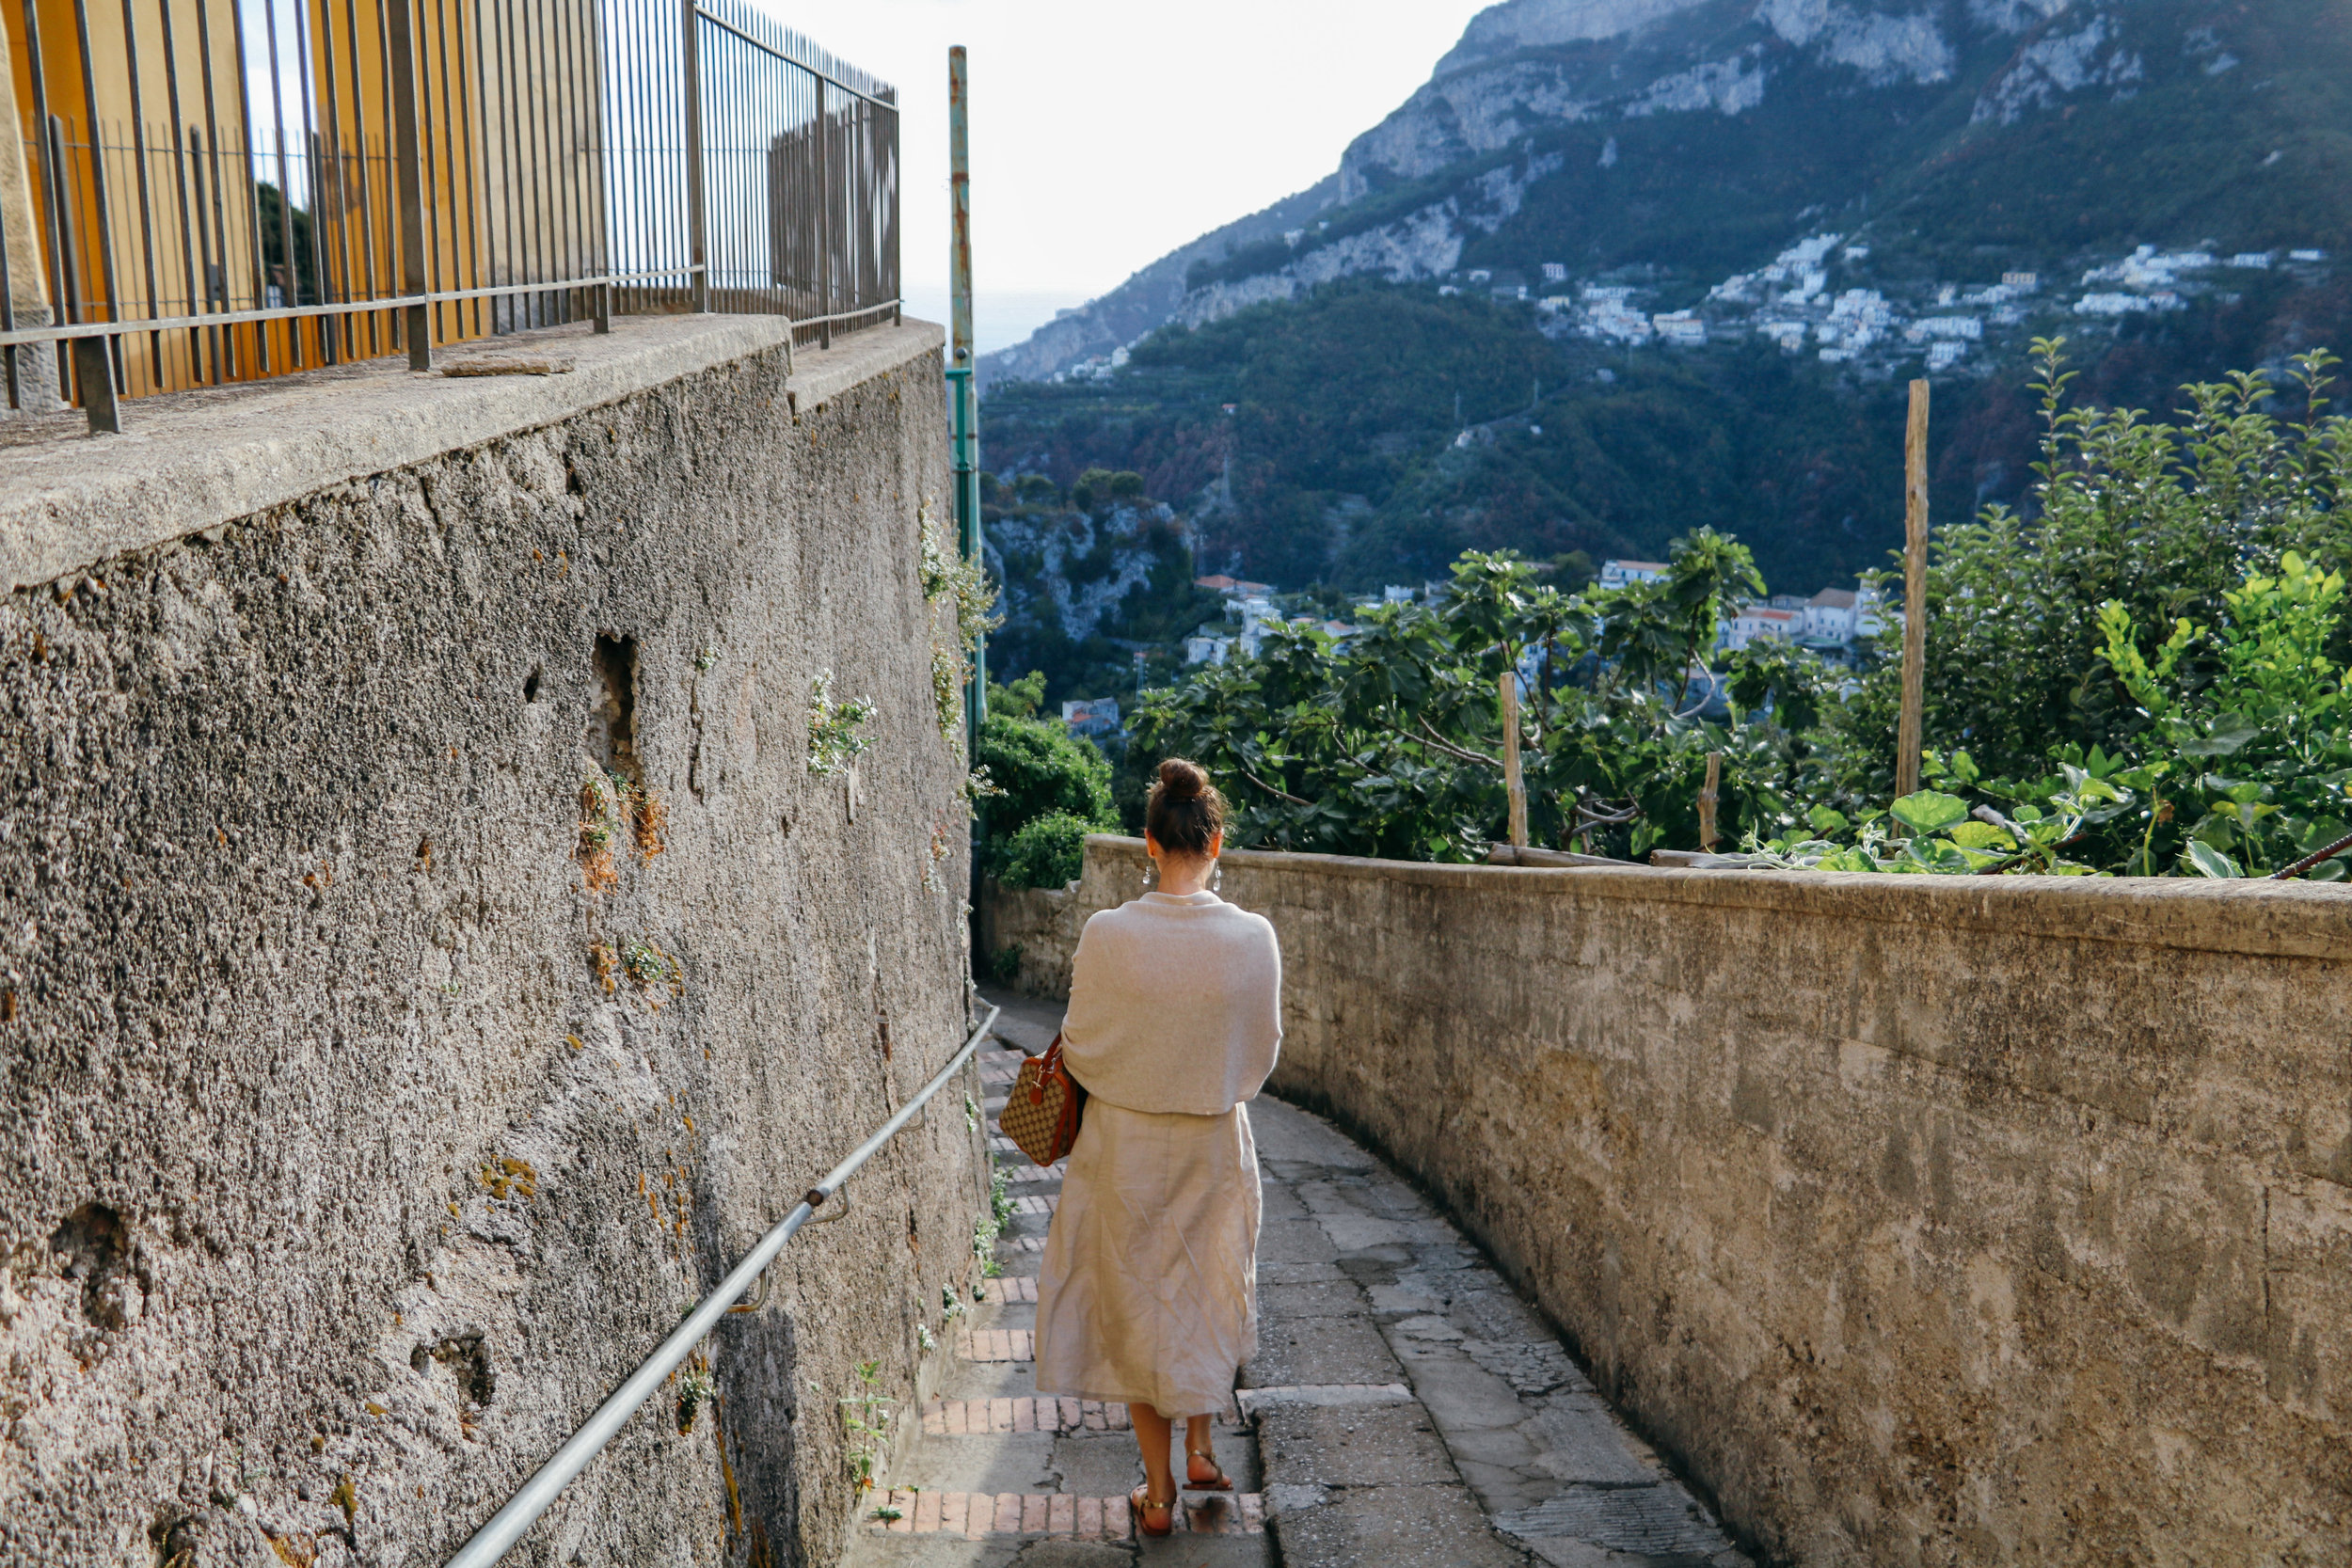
(1406, 1408)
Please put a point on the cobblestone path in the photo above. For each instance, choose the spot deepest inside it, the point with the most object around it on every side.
(1405, 1409)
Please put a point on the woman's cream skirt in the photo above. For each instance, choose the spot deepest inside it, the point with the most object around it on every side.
(1148, 1292)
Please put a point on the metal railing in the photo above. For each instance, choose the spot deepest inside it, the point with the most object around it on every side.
(206, 190)
(493, 1540)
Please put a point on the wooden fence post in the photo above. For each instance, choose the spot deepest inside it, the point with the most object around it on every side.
(1914, 593)
(1511, 781)
(1707, 799)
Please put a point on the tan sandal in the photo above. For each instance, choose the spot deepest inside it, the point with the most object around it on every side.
(1223, 1482)
(1139, 1503)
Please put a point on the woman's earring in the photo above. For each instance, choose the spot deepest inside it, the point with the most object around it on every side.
(1151, 874)
(1216, 879)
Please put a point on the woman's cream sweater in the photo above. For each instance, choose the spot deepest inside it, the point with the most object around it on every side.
(1175, 1005)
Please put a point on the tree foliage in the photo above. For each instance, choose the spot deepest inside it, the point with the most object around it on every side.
(1389, 742)
(1039, 772)
(2143, 675)
(2163, 519)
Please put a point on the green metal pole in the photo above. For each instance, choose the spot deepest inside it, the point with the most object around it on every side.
(961, 368)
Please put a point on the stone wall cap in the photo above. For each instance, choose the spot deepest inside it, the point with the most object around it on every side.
(193, 461)
(2279, 919)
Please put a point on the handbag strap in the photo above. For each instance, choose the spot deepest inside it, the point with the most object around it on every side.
(1048, 1069)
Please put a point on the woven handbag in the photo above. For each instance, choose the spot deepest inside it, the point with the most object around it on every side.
(1043, 1109)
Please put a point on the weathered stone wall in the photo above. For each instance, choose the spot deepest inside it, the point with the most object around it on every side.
(363, 1119)
(1029, 934)
(1928, 1221)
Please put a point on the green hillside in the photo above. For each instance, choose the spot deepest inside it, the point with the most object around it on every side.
(1344, 469)
(1369, 429)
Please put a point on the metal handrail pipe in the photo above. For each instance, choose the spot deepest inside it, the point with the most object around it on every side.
(493, 1540)
(874, 309)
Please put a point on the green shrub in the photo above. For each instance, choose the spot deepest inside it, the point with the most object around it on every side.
(1043, 771)
(2164, 520)
(1047, 852)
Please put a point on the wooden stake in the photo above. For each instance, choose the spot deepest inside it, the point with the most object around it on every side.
(1511, 779)
(1707, 799)
(1914, 593)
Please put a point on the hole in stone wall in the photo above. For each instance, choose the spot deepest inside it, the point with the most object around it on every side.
(175, 1539)
(531, 686)
(616, 665)
(469, 1358)
(97, 1251)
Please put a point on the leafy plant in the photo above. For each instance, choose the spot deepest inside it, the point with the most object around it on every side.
(836, 736)
(984, 1233)
(695, 1388)
(865, 1418)
(1049, 851)
(2161, 520)
(651, 967)
(2250, 771)
(1933, 832)
(1001, 1202)
(961, 583)
(1019, 700)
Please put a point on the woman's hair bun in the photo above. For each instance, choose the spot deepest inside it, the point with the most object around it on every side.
(1184, 811)
(1181, 779)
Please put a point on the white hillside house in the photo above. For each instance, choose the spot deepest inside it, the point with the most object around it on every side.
(1761, 623)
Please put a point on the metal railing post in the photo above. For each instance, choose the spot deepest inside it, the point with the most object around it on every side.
(824, 221)
(408, 168)
(94, 373)
(697, 236)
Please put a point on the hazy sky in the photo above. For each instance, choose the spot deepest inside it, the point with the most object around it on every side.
(1106, 133)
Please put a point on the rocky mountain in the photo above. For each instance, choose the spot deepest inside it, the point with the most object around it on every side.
(1565, 138)
(1150, 299)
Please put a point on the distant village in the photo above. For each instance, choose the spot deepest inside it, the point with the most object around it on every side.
(1796, 304)
(1814, 297)
(1829, 625)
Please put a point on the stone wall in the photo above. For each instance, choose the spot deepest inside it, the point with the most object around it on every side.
(1029, 934)
(1925, 1220)
(366, 1116)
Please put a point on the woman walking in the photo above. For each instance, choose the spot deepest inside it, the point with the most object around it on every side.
(1148, 1293)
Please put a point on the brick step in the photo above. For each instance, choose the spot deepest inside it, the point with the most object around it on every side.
(996, 1344)
(1056, 1513)
(1005, 1290)
(987, 1418)
(1042, 1203)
